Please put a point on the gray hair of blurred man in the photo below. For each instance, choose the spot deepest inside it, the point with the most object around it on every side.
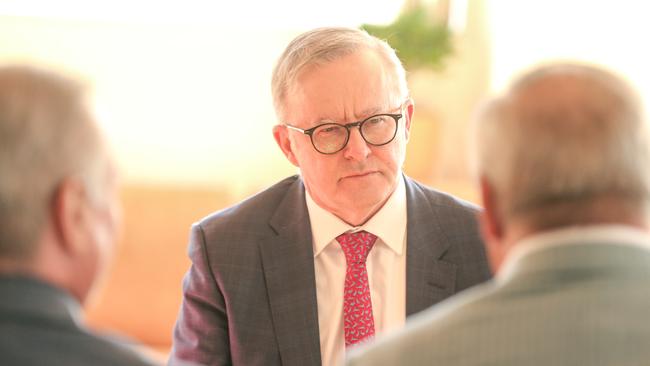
(322, 45)
(567, 144)
(46, 135)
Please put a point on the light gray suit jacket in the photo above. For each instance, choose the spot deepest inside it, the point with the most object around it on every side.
(250, 294)
(563, 305)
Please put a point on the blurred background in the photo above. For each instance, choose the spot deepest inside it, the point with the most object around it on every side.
(183, 90)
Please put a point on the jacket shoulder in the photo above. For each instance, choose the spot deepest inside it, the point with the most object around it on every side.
(252, 211)
(440, 200)
(38, 342)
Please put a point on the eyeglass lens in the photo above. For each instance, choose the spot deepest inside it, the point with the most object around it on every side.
(376, 130)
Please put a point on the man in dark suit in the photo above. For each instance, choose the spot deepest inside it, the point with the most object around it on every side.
(317, 263)
(564, 161)
(58, 219)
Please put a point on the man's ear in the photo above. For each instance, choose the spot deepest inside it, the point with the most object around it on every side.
(491, 225)
(70, 214)
(281, 135)
(410, 107)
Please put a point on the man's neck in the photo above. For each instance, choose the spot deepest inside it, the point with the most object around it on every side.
(14, 266)
(360, 215)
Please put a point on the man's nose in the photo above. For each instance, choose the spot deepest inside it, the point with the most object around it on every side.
(357, 148)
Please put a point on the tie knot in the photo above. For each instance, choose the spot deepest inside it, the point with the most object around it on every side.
(356, 246)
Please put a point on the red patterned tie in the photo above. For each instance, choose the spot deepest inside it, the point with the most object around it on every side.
(358, 321)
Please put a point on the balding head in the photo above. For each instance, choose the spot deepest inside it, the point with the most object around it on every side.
(566, 145)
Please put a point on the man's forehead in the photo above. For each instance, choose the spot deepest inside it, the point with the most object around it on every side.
(334, 107)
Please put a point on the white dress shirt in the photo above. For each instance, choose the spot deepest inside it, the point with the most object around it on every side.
(386, 265)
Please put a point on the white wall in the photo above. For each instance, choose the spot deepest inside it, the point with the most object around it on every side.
(609, 33)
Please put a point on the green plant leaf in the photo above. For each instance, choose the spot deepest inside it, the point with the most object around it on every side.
(418, 41)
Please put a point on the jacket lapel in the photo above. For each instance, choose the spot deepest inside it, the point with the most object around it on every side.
(288, 263)
(428, 278)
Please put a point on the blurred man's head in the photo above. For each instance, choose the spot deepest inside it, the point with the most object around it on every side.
(341, 75)
(566, 145)
(59, 210)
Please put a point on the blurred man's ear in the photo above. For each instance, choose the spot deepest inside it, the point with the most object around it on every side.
(491, 226)
(74, 224)
(281, 134)
(70, 215)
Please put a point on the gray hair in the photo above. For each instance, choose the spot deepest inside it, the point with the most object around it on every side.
(46, 135)
(563, 137)
(323, 45)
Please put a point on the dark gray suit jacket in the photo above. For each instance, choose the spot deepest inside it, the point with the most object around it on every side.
(250, 294)
(40, 325)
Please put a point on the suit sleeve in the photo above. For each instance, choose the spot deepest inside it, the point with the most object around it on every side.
(201, 331)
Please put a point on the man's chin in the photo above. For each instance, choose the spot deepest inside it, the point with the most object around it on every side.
(366, 197)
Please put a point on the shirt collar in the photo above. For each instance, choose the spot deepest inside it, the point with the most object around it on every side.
(577, 235)
(389, 223)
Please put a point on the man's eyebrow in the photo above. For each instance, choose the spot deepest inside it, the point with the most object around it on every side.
(364, 114)
(370, 111)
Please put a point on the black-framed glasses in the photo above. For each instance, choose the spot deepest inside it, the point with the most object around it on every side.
(330, 138)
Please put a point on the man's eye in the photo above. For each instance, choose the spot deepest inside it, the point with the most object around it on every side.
(376, 120)
(329, 130)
